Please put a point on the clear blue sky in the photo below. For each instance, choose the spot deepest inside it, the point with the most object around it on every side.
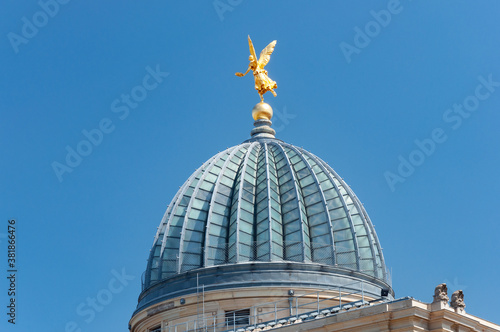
(357, 100)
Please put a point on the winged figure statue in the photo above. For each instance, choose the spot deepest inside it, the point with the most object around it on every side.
(262, 82)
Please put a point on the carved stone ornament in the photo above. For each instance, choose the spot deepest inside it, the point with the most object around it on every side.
(441, 293)
(457, 300)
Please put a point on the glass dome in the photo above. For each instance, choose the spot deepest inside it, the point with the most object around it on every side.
(264, 201)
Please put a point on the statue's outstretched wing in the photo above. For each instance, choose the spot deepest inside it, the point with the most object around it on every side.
(252, 49)
(265, 55)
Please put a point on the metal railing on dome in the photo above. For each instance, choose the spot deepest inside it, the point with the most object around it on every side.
(270, 315)
(264, 251)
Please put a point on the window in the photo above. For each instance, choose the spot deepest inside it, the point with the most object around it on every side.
(155, 329)
(238, 317)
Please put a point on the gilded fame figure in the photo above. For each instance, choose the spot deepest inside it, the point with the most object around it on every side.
(262, 82)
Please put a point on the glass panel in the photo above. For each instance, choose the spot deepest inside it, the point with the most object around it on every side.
(342, 235)
(307, 180)
(245, 238)
(228, 182)
(247, 216)
(197, 225)
(292, 227)
(329, 193)
(222, 199)
(203, 195)
(337, 213)
(317, 219)
(311, 199)
(193, 247)
(246, 205)
(201, 205)
(363, 241)
(360, 230)
(287, 186)
(319, 230)
(345, 245)
(197, 214)
(249, 186)
(193, 236)
(174, 231)
(341, 224)
(248, 197)
(217, 230)
(248, 180)
(276, 227)
(207, 186)
(288, 206)
(211, 178)
(300, 166)
(225, 190)
(263, 215)
(302, 173)
(262, 227)
(356, 219)
(365, 252)
(275, 215)
(323, 240)
(251, 163)
(316, 208)
(172, 242)
(184, 201)
(321, 176)
(218, 219)
(294, 238)
(285, 197)
(190, 190)
(291, 215)
(347, 259)
(308, 190)
(246, 227)
(229, 173)
(181, 210)
(327, 185)
(221, 209)
(294, 159)
(177, 221)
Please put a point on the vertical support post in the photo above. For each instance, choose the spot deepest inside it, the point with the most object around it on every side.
(362, 293)
(214, 323)
(203, 288)
(318, 301)
(340, 299)
(297, 307)
(275, 313)
(255, 320)
(234, 320)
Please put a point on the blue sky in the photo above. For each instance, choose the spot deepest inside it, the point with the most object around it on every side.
(407, 111)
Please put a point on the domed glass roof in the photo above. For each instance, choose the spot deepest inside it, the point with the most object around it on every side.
(264, 201)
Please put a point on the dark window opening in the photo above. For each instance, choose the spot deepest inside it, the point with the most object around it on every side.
(155, 329)
(238, 317)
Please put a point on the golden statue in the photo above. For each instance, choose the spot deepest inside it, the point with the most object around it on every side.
(262, 82)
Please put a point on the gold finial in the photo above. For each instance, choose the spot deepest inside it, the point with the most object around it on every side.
(262, 111)
(262, 82)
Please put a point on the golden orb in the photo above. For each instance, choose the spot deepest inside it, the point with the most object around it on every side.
(262, 111)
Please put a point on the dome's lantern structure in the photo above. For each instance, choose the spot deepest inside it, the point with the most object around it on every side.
(253, 223)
